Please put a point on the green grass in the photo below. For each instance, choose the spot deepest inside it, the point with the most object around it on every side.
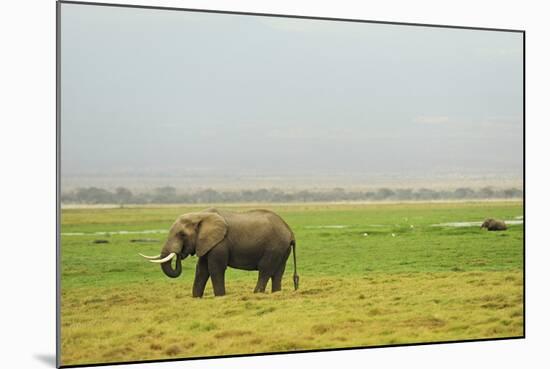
(425, 283)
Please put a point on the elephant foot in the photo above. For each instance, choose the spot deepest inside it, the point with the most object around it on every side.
(197, 295)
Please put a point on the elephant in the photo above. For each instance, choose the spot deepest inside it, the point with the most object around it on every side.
(494, 225)
(252, 240)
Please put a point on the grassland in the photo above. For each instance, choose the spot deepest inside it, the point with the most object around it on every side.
(405, 281)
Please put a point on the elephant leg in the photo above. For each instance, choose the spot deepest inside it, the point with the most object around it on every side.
(276, 279)
(267, 267)
(201, 277)
(218, 283)
(217, 263)
(263, 278)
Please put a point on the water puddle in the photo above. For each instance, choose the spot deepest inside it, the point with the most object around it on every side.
(517, 220)
(473, 224)
(335, 226)
(150, 231)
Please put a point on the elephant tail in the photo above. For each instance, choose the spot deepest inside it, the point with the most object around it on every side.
(296, 278)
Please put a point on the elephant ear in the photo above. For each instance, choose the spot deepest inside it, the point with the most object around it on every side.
(212, 230)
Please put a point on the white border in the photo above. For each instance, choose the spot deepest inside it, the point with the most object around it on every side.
(27, 66)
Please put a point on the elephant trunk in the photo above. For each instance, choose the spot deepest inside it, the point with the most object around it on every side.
(169, 270)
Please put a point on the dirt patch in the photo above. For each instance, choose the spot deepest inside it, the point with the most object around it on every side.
(155, 346)
(311, 291)
(266, 311)
(320, 328)
(173, 350)
(232, 333)
(427, 322)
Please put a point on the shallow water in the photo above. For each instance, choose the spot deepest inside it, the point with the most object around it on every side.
(336, 226)
(518, 220)
(473, 224)
(150, 231)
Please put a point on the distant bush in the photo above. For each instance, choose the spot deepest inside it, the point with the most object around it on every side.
(170, 195)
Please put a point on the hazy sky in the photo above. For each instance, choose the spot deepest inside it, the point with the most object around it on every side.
(150, 90)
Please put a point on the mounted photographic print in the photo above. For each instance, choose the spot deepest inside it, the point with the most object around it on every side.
(238, 184)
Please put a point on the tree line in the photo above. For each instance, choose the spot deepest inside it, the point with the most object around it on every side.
(170, 195)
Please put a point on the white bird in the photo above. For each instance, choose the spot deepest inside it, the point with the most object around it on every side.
(412, 226)
(365, 234)
(393, 234)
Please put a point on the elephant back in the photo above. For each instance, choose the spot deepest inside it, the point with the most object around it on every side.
(256, 226)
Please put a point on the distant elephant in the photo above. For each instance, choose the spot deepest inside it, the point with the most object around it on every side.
(252, 240)
(494, 225)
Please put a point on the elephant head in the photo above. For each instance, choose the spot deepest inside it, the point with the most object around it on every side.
(192, 233)
(494, 225)
(487, 223)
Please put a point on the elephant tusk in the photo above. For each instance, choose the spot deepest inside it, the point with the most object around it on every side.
(168, 258)
(150, 257)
